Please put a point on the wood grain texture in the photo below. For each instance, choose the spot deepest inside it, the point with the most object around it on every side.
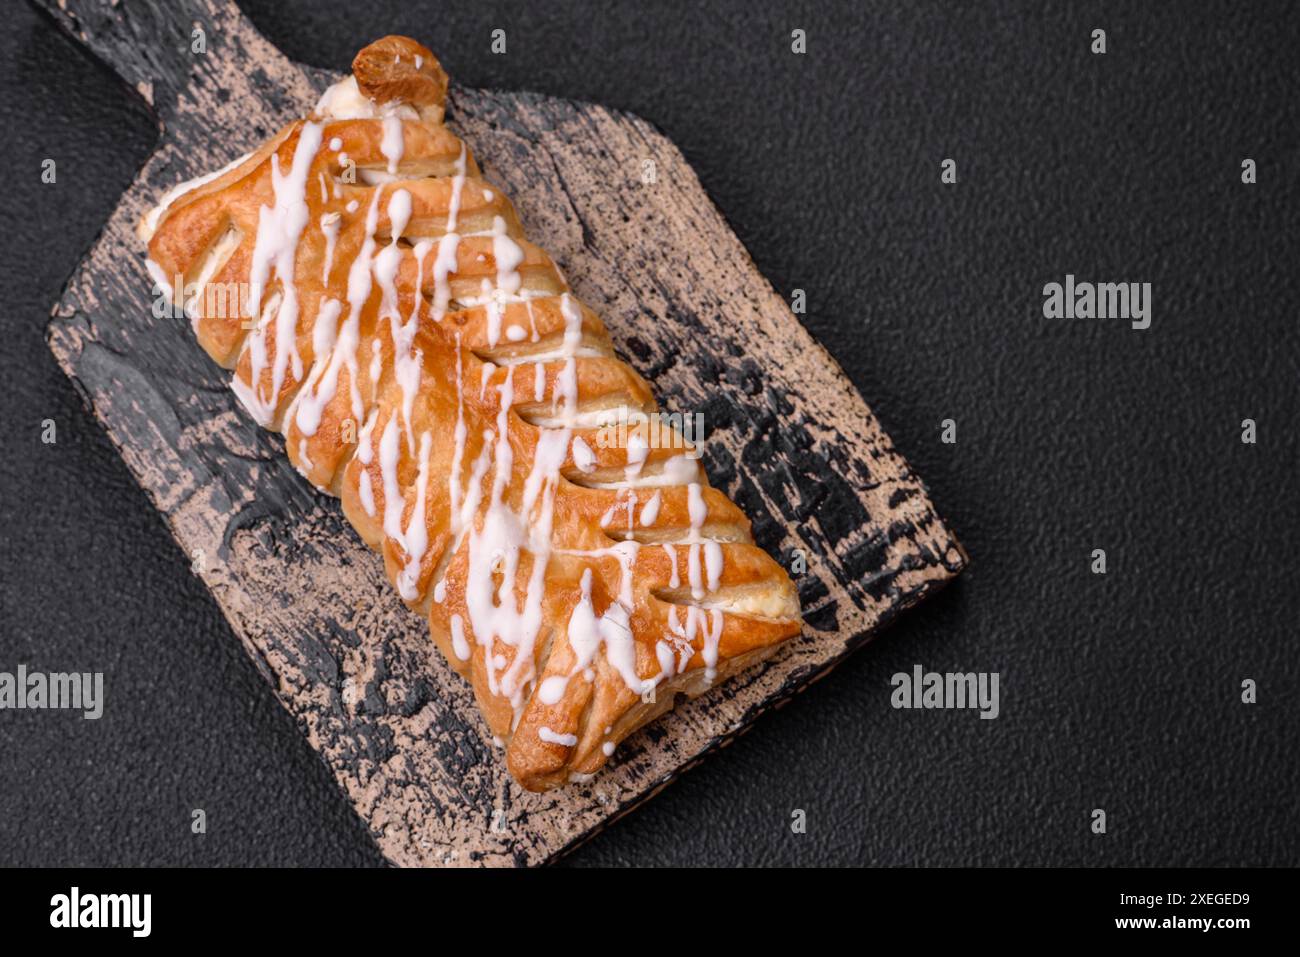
(790, 441)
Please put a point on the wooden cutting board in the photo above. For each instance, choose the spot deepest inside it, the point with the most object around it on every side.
(625, 217)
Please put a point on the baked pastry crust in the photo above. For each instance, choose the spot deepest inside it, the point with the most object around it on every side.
(380, 306)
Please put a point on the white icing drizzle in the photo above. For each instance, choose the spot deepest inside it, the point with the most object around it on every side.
(367, 494)
(443, 266)
(399, 213)
(532, 320)
(457, 185)
(329, 227)
(685, 637)
(392, 145)
(459, 435)
(407, 362)
(493, 307)
(631, 509)
(388, 449)
(650, 511)
(546, 734)
(509, 255)
(365, 455)
(713, 564)
(588, 632)
(711, 641)
(325, 331)
(698, 512)
(376, 360)
(674, 580)
(279, 229)
(551, 690)
(415, 541)
(539, 381)
(637, 450)
(583, 457)
(695, 506)
(458, 643)
(322, 382)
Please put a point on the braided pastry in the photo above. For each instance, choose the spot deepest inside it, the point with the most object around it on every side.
(426, 364)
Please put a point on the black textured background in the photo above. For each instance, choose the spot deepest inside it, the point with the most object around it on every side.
(1118, 691)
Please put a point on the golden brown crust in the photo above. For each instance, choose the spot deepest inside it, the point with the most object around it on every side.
(429, 366)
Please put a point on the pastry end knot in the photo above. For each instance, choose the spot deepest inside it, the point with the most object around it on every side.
(397, 69)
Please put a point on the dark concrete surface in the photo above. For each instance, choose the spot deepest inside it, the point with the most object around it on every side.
(1119, 692)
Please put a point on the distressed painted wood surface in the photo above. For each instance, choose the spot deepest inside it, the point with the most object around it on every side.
(790, 441)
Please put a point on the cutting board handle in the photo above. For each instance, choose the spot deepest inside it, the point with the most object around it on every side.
(165, 49)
